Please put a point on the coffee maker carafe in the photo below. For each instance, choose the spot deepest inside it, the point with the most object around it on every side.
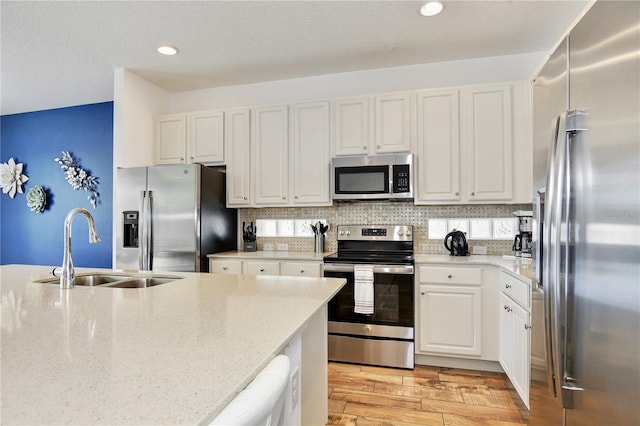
(522, 243)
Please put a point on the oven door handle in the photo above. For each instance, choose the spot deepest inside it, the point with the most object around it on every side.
(377, 269)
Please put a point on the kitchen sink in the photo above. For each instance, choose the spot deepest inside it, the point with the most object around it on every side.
(115, 280)
(141, 282)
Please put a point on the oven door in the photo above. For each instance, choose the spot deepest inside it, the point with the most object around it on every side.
(393, 296)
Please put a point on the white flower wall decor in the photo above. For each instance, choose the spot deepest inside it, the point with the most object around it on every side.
(11, 177)
(77, 177)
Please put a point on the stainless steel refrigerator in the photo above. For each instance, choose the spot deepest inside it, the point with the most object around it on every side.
(585, 356)
(170, 217)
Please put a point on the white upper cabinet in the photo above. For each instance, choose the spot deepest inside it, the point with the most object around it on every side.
(238, 147)
(269, 152)
(373, 124)
(310, 162)
(352, 126)
(467, 142)
(438, 165)
(205, 137)
(487, 127)
(171, 137)
(190, 138)
(393, 120)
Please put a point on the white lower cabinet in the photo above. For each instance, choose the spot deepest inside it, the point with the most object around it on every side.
(515, 336)
(454, 312)
(265, 267)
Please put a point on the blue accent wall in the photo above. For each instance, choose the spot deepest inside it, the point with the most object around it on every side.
(35, 139)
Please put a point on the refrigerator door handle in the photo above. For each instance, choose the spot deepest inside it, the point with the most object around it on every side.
(575, 123)
(550, 248)
(146, 228)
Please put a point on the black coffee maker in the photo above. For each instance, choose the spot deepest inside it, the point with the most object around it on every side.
(522, 243)
(456, 243)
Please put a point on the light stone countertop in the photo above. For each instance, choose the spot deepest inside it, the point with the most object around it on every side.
(519, 268)
(270, 255)
(172, 354)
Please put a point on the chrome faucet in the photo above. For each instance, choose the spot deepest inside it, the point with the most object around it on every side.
(68, 276)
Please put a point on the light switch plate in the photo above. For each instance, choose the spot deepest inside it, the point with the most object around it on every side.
(267, 246)
(282, 247)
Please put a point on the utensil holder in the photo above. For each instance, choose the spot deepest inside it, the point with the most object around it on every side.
(319, 243)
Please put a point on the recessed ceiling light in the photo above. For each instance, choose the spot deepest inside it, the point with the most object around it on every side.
(167, 50)
(431, 8)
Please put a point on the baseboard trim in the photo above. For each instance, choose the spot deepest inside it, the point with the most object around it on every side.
(469, 364)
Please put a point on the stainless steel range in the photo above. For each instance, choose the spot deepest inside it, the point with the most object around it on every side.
(384, 337)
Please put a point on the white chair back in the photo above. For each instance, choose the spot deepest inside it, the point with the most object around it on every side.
(261, 403)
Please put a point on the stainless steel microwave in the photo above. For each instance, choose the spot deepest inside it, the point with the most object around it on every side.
(372, 178)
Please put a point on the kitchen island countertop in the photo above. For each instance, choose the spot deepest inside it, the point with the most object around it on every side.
(176, 353)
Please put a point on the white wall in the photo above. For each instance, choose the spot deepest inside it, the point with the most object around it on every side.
(136, 102)
(441, 74)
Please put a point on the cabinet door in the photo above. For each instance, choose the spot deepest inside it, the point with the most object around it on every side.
(170, 139)
(310, 149)
(237, 145)
(393, 123)
(489, 142)
(450, 319)
(301, 269)
(251, 267)
(217, 266)
(506, 338)
(352, 120)
(438, 146)
(269, 143)
(521, 357)
(206, 137)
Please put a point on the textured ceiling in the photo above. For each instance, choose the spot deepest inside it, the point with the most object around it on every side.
(63, 53)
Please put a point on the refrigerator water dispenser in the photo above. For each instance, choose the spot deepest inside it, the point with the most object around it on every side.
(130, 231)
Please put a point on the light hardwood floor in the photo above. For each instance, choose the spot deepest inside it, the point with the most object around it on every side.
(367, 396)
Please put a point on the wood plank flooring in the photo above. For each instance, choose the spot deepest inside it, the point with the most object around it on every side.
(367, 396)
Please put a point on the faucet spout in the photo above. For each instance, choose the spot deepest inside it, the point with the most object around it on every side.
(68, 276)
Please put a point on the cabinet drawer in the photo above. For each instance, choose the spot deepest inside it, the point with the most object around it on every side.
(516, 289)
(225, 266)
(261, 268)
(450, 275)
(303, 269)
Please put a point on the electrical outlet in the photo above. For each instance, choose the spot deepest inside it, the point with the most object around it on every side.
(479, 249)
(267, 246)
(295, 387)
(283, 247)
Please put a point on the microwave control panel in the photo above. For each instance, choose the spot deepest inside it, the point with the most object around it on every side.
(401, 181)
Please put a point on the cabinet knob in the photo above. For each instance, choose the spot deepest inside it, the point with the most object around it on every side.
(507, 285)
(364, 147)
(191, 157)
(262, 270)
(284, 198)
(450, 276)
(295, 196)
(302, 271)
(527, 327)
(422, 293)
(181, 158)
(506, 308)
(473, 193)
(244, 198)
(224, 268)
(378, 146)
(457, 193)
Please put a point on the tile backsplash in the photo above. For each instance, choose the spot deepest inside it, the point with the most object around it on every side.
(401, 213)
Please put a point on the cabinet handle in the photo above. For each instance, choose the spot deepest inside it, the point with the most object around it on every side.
(450, 276)
(527, 327)
(506, 307)
(507, 285)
